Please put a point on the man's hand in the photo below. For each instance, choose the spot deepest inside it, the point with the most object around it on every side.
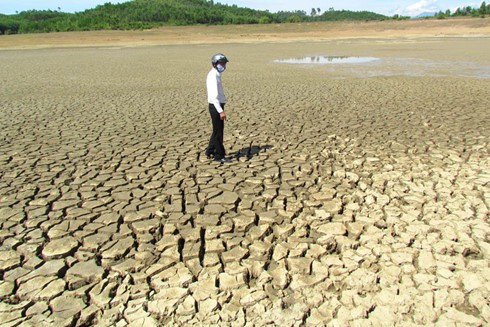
(222, 115)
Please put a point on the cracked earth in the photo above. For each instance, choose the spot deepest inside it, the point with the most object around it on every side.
(350, 201)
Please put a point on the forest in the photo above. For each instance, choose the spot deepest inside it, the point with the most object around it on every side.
(145, 14)
(482, 11)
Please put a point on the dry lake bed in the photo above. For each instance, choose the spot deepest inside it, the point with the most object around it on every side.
(358, 194)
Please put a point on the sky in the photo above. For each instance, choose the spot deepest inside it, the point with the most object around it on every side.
(386, 7)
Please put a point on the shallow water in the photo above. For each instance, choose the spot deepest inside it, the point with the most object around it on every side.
(372, 66)
(322, 60)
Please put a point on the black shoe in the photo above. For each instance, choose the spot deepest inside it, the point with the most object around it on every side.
(224, 160)
(209, 155)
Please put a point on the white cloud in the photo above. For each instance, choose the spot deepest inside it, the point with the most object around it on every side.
(420, 7)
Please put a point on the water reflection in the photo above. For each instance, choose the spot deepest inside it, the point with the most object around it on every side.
(327, 60)
(392, 66)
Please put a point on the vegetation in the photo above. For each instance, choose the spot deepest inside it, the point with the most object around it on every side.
(142, 14)
(466, 11)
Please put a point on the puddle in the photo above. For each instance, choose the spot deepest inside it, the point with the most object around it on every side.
(323, 60)
(391, 66)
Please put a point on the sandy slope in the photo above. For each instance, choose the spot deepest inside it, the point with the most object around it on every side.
(254, 33)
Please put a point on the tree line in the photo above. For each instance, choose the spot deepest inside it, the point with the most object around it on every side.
(469, 11)
(143, 14)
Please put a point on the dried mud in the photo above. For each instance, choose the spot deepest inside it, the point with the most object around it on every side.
(354, 198)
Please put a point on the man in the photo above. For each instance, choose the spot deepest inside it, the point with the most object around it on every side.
(217, 101)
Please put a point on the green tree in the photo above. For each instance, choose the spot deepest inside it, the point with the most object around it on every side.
(440, 15)
(264, 20)
(294, 19)
(483, 9)
(138, 14)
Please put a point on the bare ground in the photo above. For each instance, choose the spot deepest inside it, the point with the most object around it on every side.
(358, 194)
(254, 33)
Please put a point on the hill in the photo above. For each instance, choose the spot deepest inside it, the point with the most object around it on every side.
(144, 14)
(426, 14)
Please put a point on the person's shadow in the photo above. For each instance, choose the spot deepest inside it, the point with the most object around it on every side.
(250, 151)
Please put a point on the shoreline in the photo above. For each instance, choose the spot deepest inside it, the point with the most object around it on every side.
(273, 33)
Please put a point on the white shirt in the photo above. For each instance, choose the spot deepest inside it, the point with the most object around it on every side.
(216, 95)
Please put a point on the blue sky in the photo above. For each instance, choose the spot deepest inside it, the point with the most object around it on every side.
(386, 7)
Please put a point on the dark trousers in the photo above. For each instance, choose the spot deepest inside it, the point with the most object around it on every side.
(216, 141)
